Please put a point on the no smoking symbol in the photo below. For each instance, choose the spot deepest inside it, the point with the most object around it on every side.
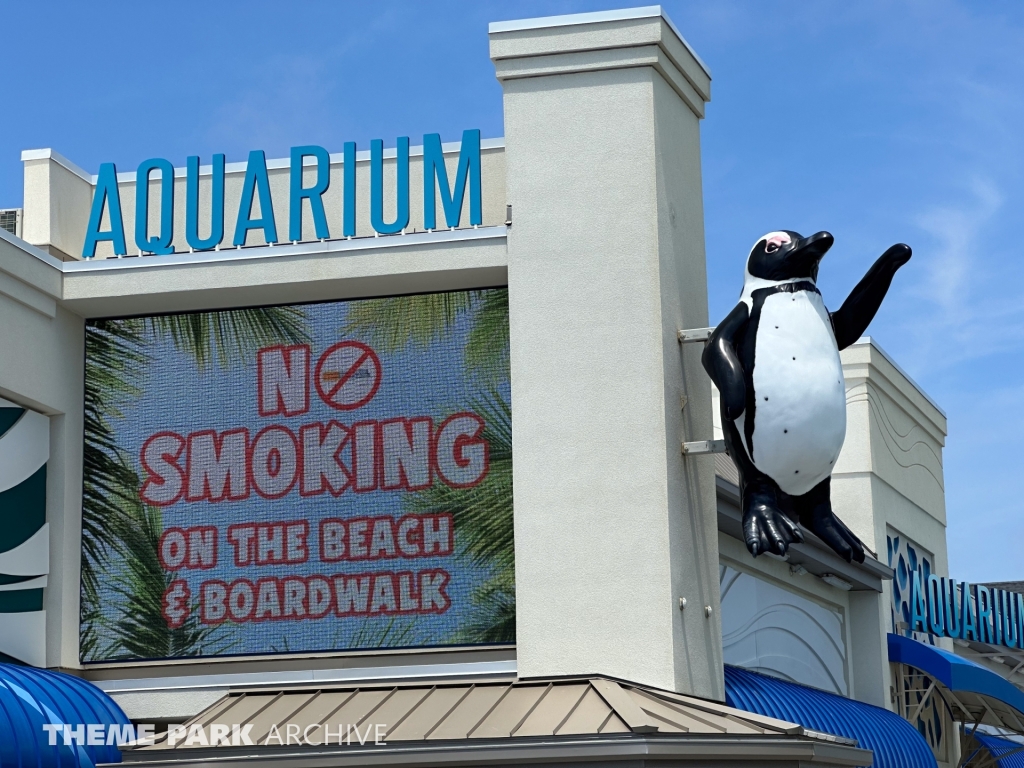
(348, 375)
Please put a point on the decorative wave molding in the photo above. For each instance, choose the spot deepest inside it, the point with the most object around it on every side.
(906, 448)
(24, 448)
(24, 533)
(769, 629)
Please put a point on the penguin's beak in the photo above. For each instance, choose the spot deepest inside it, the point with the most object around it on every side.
(808, 251)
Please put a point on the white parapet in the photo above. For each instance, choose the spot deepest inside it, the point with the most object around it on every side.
(613, 525)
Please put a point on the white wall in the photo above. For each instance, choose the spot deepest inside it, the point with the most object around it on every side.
(57, 198)
(781, 631)
(42, 354)
(890, 469)
(889, 474)
(606, 263)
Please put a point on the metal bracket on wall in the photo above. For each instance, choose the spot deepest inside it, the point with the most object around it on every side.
(697, 447)
(694, 334)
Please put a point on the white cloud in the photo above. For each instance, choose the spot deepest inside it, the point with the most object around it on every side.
(957, 231)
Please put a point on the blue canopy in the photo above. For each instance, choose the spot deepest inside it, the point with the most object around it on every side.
(973, 693)
(895, 742)
(31, 698)
(1007, 754)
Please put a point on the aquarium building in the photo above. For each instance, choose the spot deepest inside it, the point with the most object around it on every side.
(403, 453)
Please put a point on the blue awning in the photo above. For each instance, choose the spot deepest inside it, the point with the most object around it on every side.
(1007, 754)
(895, 742)
(973, 694)
(31, 698)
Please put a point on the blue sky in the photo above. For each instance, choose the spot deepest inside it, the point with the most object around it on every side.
(879, 121)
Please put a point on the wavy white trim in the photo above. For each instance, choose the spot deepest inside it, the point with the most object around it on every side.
(36, 583)
(24, 448)
(768, 628)
(906, 448)
(30, 558)
(23, 636)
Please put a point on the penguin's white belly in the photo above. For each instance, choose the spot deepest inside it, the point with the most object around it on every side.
(800, 405)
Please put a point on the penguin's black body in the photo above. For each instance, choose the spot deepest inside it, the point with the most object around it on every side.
(775, 361)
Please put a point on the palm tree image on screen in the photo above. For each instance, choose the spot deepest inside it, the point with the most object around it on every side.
(121, 534)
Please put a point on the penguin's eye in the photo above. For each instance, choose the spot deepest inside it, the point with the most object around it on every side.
(775, 242)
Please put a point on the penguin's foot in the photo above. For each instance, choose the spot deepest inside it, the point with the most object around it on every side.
(766, 528)
(834, 532)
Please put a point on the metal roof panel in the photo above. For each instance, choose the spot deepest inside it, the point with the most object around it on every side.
(468, 712)
(552, 709)
(587, 716)
(515, 704)
(434, 707)
(485, 712)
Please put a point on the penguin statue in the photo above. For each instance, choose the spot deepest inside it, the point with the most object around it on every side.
(775, 361)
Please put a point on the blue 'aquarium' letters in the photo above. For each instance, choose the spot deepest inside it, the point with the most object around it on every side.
(943, 608)
(256, 190)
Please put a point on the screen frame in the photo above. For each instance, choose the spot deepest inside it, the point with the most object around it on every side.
(279, 655)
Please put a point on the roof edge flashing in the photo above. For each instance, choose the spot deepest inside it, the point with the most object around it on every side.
(31, 250)
(596, 17)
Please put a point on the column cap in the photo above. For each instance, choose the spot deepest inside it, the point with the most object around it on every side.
(588, 42)
(28, 155)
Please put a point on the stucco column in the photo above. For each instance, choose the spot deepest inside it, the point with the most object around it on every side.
(58, 195)
(605, 263)
(888, 486)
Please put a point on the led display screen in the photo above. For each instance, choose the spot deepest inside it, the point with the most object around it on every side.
(296, 479)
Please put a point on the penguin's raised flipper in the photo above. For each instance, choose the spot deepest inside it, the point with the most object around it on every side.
(723, 364)
(851, 320)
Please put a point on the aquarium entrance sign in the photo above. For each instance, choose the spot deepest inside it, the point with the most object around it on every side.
(307, 478)
(941, 607)
(106, 220)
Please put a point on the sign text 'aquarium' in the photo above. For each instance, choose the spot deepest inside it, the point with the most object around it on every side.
(256, 188)
(971, 612)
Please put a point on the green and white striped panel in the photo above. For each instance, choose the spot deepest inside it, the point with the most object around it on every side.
(24, 533)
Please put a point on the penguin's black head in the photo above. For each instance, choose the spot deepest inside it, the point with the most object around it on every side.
(785, 255)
